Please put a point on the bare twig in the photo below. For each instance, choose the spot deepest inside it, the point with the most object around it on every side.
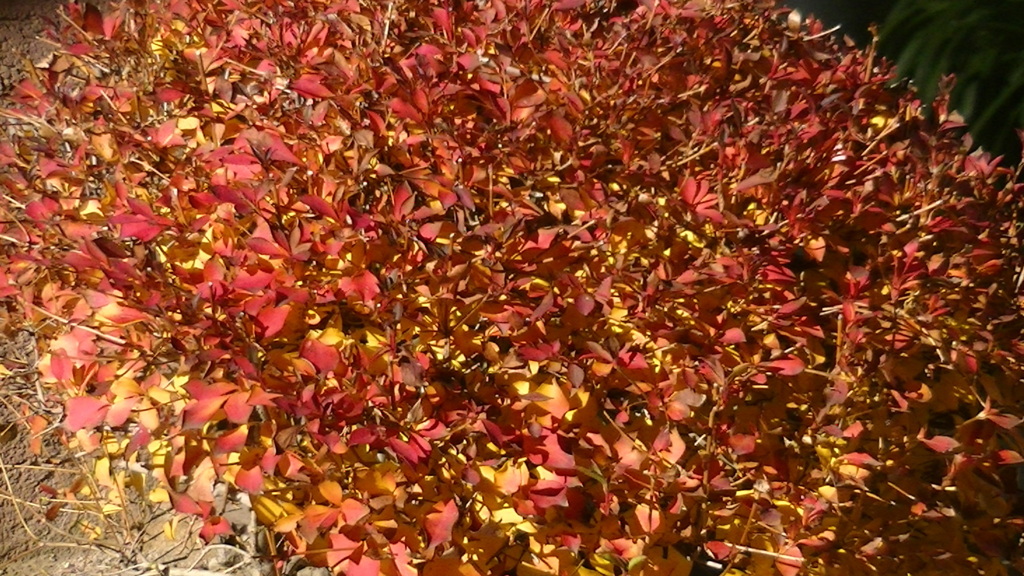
(66, 322)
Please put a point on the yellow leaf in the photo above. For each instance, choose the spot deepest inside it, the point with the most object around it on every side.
(188, 123)
(665, 561)
(159, 496)
(603, 564)
(331, 336)
(506, 516)
(269, 509)
(829, 493)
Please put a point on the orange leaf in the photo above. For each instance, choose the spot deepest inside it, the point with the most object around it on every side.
(440, 523)
(250, 480)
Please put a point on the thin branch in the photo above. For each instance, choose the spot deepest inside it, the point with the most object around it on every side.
(66, 322)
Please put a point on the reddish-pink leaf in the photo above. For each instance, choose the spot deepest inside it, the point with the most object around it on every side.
(789, 366)
(238, 408)
(352, 511)
(250, 479)
(366, 566)
(528, 94)
(166, 94)
(325, 358)
(1009, 457)
(341, 548)
(137, 226)
(85, 412)
(860, 459)
(1004, 421)
(166, 135)
(364, 284)
(413, 452)
(733, 336)
(585, 304)
(563, 5)
(405, 111)
(561, 129)
(790, 562)
(549, 493)
(632, 359)
(266, 247)
(853, 430)
(311, 86)
(718, 550)
(120, 411)
(215, 526)
(269, 146)
(940, 444)
(200, 412)
(431, 230)
(231, 441)
(319, 205)
(441, 522)
(743, 444)
(184, 504)
(443, 19)
(271, 319)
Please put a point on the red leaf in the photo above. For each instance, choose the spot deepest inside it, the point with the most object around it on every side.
(341, 549)
(271, 319)
(364, 284)
(440, 523)
(718, 550)
(1009, 457)
(431, 230)
(85, 412)
(632, 360)
(743, 444)
(310, 86)
(790, 563)
(1004, 421)
(701, 199)
(166, 135)
(789, 366)
(860, 459)
(184, 504)
(549, 493)
(92, 20)
(269, 146)
(231, 441)
(365, 567)
(250, 480)
(120, 411)
(200, 412)
(215, 526)
(561, 130)
(528, 94)
(325, 358)
(137, 226)
(585, 304)
(563, 5)
(443, 19)
(406, 111)
(237, 408)
(319, 205)
(733, 336)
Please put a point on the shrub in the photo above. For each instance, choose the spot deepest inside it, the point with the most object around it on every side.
(562, 288)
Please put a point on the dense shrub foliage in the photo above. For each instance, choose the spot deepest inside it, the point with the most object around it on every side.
(568, 287)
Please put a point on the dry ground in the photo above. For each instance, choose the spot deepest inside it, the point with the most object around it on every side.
(39, 534)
